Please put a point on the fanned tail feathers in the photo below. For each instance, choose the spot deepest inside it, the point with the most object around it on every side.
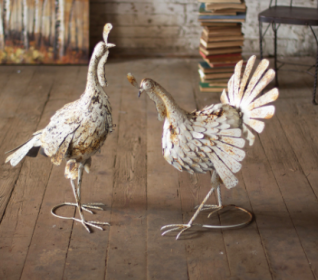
(31, 148)
(243, 93)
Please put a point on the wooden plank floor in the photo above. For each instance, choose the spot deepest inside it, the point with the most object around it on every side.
(278, 183)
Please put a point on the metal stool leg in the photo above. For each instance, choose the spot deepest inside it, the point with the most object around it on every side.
(274, 27)
(316, 71)
(315, 81)
(260, 40)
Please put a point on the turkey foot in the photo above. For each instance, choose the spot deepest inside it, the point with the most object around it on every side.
(181, 227)
(85, 207)
(214, 208)
(77, 195)
(94, 224)
(94, 205)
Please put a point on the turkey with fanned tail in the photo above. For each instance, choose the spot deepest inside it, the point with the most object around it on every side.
(213, 139)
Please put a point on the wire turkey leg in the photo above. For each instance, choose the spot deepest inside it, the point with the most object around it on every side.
(213, 207)
(79, 185)
(79, 206)
(215, 180)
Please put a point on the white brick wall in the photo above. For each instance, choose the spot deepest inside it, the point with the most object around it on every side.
(148, 26)
(171, 27)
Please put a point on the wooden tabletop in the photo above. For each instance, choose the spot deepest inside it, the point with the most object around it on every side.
(278, 183)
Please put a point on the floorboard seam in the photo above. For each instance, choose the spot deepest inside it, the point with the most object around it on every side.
(15, 182)
(146, 183)
(302, 171)
(114, 181)
(258, 231)
(291, 219)
(40, 207)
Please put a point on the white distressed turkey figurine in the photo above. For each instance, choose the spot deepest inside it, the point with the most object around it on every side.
(213, 138)
(77, 131)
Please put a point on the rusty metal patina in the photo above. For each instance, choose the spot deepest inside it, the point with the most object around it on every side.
(77, 131)
(213, 139)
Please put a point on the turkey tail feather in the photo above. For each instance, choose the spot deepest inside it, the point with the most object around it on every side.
(30, 148)
(243, 93)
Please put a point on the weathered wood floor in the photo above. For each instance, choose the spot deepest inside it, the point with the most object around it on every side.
(278, 183)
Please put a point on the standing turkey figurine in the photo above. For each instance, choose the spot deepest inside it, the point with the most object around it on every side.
(76, 132)
(213, 138)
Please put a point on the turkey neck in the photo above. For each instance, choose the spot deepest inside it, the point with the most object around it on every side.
(172, 111)
(93, 88)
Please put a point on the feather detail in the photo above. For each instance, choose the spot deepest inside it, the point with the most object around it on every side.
(189, 126)
(234, 132)
(223, 126)
(205, 142)
(204, 166)
(212, 124)
(237, 142)
(257, 125)
(192, 155)
(59, 156)
(268, 97)
(177, 165)
(225, 174)
(230, 85)
(187, 160)
(199, 128)
(197, 142)
(197, 134)
(224, 98)
(197, 168)
(168, 158)
(37, 132)
(211, 131)
(184, 146)
(234, 152)
(193, 147)
(23, 150)
(246, 75)
(236, 82)
(206, 149)
(187, 135)
(248, 102)
(250, 137)
(265, 112)
(200, 119)
(87, 165)
(260, 70)
(208, 110)
(266, 79)
(229, 161)
(71, 169)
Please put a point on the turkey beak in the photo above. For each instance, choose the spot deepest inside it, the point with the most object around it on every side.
(139, 92)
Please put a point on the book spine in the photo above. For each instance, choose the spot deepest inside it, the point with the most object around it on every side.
(219, 55)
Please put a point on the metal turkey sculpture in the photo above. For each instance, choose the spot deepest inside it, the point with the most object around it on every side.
(213, 139)
(77, 131)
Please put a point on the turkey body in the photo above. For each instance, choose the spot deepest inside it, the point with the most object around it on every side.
(76, 131)
(194, 142)
(214, 138)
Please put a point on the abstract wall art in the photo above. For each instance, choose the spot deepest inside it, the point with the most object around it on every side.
(44, 31)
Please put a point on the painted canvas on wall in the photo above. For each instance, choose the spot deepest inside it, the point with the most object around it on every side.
(44, 31)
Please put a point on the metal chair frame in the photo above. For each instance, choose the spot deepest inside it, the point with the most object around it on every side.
(275, 27)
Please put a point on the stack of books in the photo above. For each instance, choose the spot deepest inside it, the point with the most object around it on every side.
(221, 41)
